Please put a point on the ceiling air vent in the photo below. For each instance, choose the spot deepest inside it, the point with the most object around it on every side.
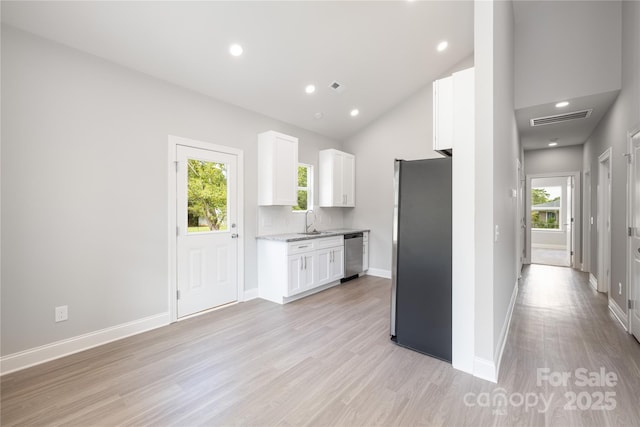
(337, 87)
(549, 120)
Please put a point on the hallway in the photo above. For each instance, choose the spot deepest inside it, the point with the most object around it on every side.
(562, 324)
(327, 360)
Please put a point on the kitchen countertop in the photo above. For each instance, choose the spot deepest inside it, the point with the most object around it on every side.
(294, 237)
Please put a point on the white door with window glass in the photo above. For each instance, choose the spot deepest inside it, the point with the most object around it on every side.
(569, 221)
(207, 244)
(634, 313)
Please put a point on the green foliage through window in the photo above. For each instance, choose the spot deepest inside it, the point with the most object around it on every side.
(541, 217)
(304, 188)
(207, 191)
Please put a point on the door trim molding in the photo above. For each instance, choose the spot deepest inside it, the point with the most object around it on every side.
(587, 186)
(577, 219)
(604, 251)
(630, 288)
(172, 222)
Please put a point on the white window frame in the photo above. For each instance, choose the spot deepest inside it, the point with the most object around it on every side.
(561, 226)
(308, 188)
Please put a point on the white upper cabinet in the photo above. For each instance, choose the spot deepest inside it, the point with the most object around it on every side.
(337, 179)
(443, 114)
(453, 106)
(277, 169)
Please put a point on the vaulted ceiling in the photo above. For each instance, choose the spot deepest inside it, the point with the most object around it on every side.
(380, 52)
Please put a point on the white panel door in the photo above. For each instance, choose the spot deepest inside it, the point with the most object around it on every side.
(569, 221)
(634, 313)
(207, 245)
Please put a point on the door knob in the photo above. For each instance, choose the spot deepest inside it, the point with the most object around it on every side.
(234, 236)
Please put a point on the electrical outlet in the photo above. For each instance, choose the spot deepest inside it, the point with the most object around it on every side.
(619, 288)
(62, 313)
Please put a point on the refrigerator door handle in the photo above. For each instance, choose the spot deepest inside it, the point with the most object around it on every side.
(394, 241)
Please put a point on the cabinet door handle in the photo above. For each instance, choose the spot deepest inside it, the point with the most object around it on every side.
(331, 256)
(301, 264)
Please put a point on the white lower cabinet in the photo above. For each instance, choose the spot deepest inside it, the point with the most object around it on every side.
(330, 265)
(287, 269)
(301, 268)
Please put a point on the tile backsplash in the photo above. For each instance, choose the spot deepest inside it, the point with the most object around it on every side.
(281, 219)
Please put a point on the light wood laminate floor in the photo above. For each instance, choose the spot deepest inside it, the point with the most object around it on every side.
(327, 360)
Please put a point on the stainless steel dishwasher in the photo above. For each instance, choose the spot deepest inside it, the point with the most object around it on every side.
(352, 255)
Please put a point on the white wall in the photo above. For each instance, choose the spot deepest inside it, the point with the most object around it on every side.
(544, 73)
(403, 133)
(84, 183)
(623, 116)
(553, 160)
(497, 148)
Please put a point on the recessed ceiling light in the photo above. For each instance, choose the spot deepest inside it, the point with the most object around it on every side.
(553, 144)
(310, 89)
(562, 104)
(235, 50)
(442, 45)
(318, 115)
(354, 112)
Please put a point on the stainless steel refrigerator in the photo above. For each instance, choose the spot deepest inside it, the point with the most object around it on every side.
(421, 274)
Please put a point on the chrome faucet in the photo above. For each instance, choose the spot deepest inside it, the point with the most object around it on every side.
(306, 220)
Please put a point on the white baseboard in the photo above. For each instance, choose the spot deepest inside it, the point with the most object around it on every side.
(502, 340)
(35, 356)
(593, 282)
(378, 272)
(485, 369)
(490, 369)
(618, 313)
(250, 294)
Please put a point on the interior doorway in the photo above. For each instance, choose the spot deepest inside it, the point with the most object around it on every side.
(588, 221)
(552, 221)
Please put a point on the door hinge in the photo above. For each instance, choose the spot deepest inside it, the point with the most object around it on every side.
(177, 231)
(629, 157)
(630, 306)
(178, 294)
(629, 231)
(572, 253)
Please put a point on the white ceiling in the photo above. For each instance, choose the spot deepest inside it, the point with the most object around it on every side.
(381, 51)
(565, 51)
(572, 132)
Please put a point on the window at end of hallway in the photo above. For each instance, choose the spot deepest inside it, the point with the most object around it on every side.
(545, 208)
(305, 188)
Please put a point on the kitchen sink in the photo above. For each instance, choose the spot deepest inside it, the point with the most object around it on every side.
(315, 233)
